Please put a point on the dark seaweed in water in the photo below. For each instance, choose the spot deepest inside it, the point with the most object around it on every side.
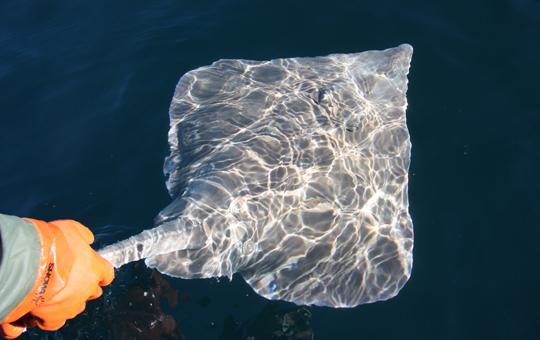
(140, 315)
(289, 324)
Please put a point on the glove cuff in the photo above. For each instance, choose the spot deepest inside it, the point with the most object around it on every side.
(53, 271)
(20, 254)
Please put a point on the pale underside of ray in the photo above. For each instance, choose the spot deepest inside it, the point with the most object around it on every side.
(292, 172)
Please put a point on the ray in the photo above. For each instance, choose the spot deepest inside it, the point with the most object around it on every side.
(292, 172)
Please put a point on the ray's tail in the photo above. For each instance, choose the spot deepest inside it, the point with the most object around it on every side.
(133, 249)
(160, 240)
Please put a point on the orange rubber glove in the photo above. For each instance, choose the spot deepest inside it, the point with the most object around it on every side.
(70, 273)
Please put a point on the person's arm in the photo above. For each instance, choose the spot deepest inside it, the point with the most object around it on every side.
(47, 272)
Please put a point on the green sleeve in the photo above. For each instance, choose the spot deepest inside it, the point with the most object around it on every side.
(20, 252)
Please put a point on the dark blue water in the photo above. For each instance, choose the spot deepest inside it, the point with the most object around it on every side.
(84, 95)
